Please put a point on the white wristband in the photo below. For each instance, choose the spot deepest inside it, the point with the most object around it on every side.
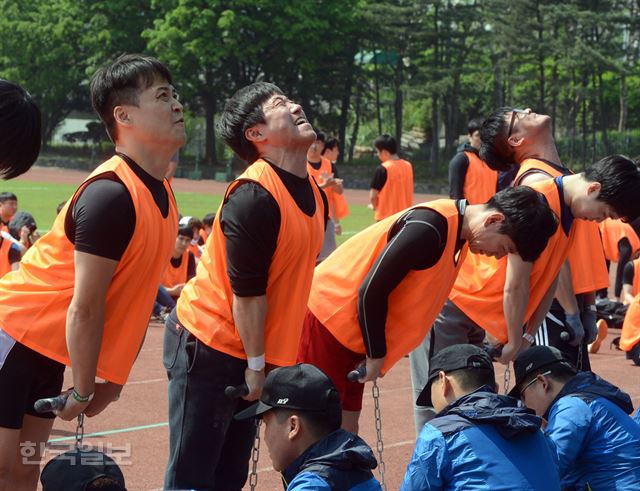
(256, 363)
(528, 337)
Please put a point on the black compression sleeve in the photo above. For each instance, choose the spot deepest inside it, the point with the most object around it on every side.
(628, 274)
(334, 171)
(624, 251)
(250, 222)
(379, 178)
(102, 220)
(14, 254)
(457, 174)
(417, 241)
(191, 267)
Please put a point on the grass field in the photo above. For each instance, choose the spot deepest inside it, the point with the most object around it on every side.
(41, 199)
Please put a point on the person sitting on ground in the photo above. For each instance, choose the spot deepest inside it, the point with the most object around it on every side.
(23, 228)
(8, 208)
(596, 441)
(301, 410)
(478, 438)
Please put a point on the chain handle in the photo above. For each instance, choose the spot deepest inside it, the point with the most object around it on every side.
(80, 431)
(507, 378)
(380, 445)
(255, 456)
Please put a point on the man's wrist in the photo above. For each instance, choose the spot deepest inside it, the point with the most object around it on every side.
(81, 398)
(528, 338)
(256, 363)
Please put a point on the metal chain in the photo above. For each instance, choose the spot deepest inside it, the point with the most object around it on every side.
(255, 456)
(507, 378)
(380, 445)
(80, 431)
(579, 367)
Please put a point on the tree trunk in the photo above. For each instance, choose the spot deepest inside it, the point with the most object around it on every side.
(356, 127)
(622, 121)
(541, 75)
(398, 103)
(498, 96)
(435, 135)
(603, 115)
(344, 108)
(377, 86)
(583, 153)
(210, 134)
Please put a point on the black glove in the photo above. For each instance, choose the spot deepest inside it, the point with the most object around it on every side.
(573, 324)
(589, 320)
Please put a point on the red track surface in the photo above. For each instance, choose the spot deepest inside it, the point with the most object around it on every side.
(142, 452)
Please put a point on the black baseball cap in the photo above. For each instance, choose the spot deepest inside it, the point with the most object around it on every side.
(76, 470)
(302, 386)
(534, 359)
(456, 357)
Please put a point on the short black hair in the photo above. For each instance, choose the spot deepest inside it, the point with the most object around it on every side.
(60, 207)
(528, 220)
(208, 219)
(185, 230)
(386, 142)
(7, 195)
(195, 222)
(330, 143)
(121, 83)
(240, 113)
(320, 136)
(471, 379)
(474, 125)
(321, 423)
(494, 149)
(20, 130)
(619, 178)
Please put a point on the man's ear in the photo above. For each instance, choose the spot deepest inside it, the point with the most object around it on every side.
(494, 217)
(295, 426)
(515, 141)
(593, 187)
(121, 116)
(254, 134)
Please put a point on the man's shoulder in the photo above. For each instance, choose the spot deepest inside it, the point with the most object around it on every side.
(308, 481)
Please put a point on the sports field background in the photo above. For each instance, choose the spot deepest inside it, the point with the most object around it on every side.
(41, 199)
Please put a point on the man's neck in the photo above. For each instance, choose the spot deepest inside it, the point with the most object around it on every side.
(292, 160)
(472, 214)
(571, 186)
(154, 161)
(314, 157)
(544, 150)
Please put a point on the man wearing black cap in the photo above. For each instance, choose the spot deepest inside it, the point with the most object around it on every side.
(82, 470)
(302, 414)
(478, 439)
(597, 443)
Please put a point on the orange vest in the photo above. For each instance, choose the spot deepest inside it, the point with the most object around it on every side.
(35, 298)
(336, 201)
(205, 305)
(334, 291)
(5, 265)
(586, 257)
(630, 335)
(613, 231)
(480, 182)
(174, 276)
(397, 193)
(479, 288)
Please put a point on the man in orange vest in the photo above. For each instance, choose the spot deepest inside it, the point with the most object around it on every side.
(374, 299)
(83, 293)
(500, 298)
(392, 184)
(245, 306)
(470, 177)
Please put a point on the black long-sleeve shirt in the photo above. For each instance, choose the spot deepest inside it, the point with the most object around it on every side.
(416, 242)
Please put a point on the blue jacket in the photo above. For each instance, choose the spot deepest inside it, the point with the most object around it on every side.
(483, 441)
(341, 461)
(596, 440)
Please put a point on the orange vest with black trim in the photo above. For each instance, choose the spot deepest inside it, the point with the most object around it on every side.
(479, 288)
(397, 193)
(205, 305)
(586, 256)
(5, 265)
(194, 249)
(480, 181)
(613, 231)
(630, 335)
(174, 276)
(35, 298)
(334, 292)
(337, 202)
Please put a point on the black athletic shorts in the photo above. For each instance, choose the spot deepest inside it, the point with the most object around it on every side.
(25, 377)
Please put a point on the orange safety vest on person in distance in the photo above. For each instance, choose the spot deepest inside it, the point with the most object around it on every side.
(397, 193)
(630, 335)
(480, 181)
(205, 305)
(35, 298)
(479, 291)
(173, 276)
(613, 231)
(586, 256)
(336, 201)
(5, 265)
(413, 304)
